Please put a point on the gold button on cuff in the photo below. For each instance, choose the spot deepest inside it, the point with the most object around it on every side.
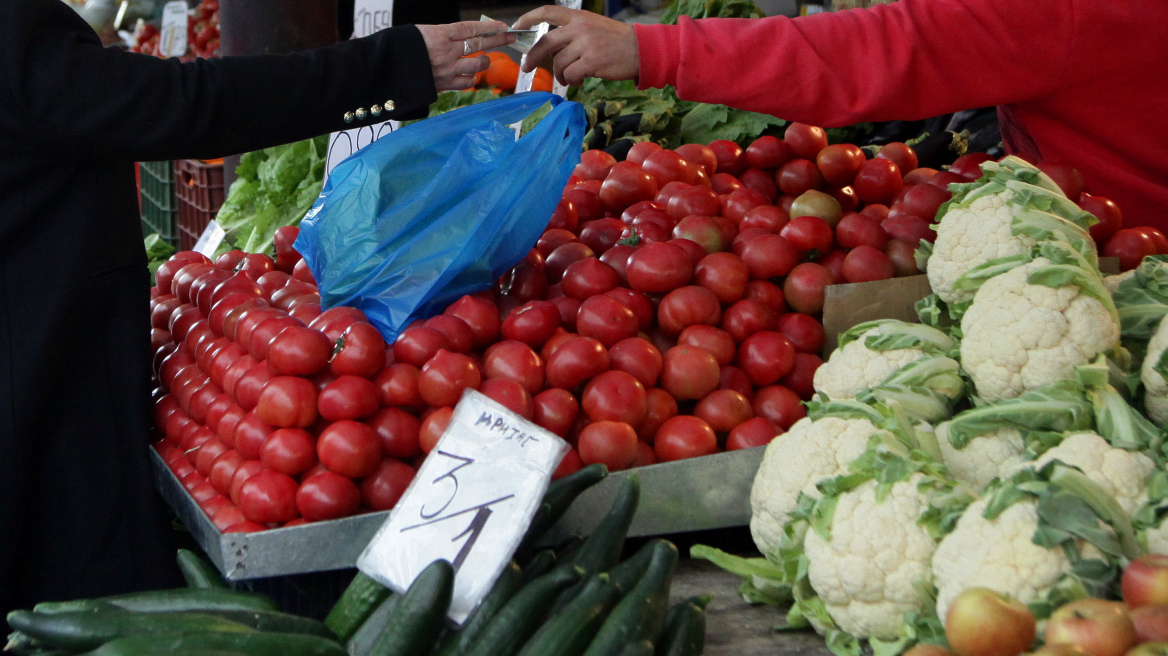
(361, 113)
(348, 117)
(389, 106)
(375, 110)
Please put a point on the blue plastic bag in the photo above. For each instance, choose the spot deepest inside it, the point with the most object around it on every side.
(440, 208)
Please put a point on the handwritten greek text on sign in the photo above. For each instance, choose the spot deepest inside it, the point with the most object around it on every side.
(470, 503)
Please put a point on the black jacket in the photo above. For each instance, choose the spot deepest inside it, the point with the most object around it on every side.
(78, 515)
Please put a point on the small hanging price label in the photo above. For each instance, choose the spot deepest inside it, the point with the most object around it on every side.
(470, 503)
(173, 40)
(526, 79)
(210, 239)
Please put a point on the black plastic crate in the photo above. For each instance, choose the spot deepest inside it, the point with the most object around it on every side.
(159, 206)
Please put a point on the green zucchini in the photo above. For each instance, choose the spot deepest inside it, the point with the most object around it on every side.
(253, 644)
(420, 614)
(89, 629)
(569, 632)
(271, 622)
(626, 574)
(685, 628)
(521, 616)
(179, 599)
(642, 648)
(542, 563)
(602, 548)
(360, 599)
(641, 613)
(510, 581)
(197, 572)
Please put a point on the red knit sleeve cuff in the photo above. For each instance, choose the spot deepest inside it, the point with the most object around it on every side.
(659, 52)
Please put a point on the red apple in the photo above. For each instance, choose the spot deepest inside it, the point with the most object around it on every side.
(1099, 627)
(1151, 623)
(981, 622)
(1145, 581)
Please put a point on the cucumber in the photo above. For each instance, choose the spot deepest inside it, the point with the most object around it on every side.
(641, 613)
(602, 548)
(568, 550)
(253, 644)
(642, 648)
(626, 574)
(197, 572)
(83, 630)
(569, 632)
(540, 523)
(270, 622)
(510, 581)
(559, 498)
(179, 599)
(416, 622)
(21, 644)
(685, 628)
(521, 616)
(542, 563)
(360, 599)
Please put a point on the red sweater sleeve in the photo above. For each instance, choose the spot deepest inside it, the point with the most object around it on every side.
(908, 60)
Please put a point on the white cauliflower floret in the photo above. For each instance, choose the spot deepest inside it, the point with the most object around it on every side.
(999, 555)
(1020, 337)
(866, 573)
(1112, 283)
(1157, 539)
(854, 368)
(1155, 387)
(969, 236)
(794, 462)
(1121, 474)
(985, 458)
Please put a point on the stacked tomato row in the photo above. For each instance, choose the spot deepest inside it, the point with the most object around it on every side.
(202, 34)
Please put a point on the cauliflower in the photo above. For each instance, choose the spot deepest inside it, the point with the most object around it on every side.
(1030, 327)
(793, 463)
(1122, 474)
(869, 353)
(1155, 385)
(1009, 210)
(868, 572)
(1113, 282)
(985, 458)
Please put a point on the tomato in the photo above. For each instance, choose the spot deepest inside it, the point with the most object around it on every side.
(261, 337)
(268, 497)
(291, 293)
(589, 277)
(687, 306)
(271, 282)
(570, 463)
(576, 361)
(288, 401)
(532, 323)
(751, 433)
(587, 203)
(249, 384)
(902, 155)
(804, 287)
(555, 409)
(335, 321)
(553, 238)
(564, 217)
(348, 397)
(730, 156)
(724, 274)
(969, 166)
(417, 345)
(181, 321)
(876, 211)
(615, 396)
(480, 315)
(223, 469)
(509, 394)
(805, 140)
(1067, 177)
(798, 176)
(804, 332)
(202, 400)
(257, 264)
(288, 451)
(606, 319)
(724, 183)
(769, 256)
(626, 184)
(458, 334)
(724, 409)
(635, 210)
(228, 423)
(557, 339)
(659, 268)
(903, 256)
(865, 264)
(694, 200)
(1108, 213)
(397, 385)
(712, 233)
(245, 527)
(760, 181)
(182, 468)
(360, 351)
(689, 372)
(700, 156)
(161, 309)
(808, 234)
(611, 443)
(718, 342)
(747, 317)
(667, 166)
(801, 378)
(594, 165)
(398, 431)
(636, 302)
(327, 496)
(909, 228)
(203, 491)
(734, 379)
(766, 357)
(382, 489)
(433, 427)
(858, 229)
(569, 308)
(839, 163)
(924, 200)
(445, 376)
(514, 360)
(667, 192)
(206, 453)
(166, 272)
(637, 357)
(768, 153)
(564, 255)
(1131, 246)
(233, 304)
(600, 235)
(349, 448)
(684, 436)
(243, 473)
(1155, 235)
(778, 405)
(878, 181)
(642, 150)
(766, 217)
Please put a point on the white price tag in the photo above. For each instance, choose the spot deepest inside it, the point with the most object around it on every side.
(526, 79)
(571, 4)
(173, 41)
(561, 90)
(470, 503)
(210, 239)
(371, 16)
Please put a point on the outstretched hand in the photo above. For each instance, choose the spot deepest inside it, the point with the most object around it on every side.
(585, 45)
(445, 45)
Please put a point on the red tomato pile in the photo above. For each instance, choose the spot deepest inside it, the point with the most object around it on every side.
(202, 34)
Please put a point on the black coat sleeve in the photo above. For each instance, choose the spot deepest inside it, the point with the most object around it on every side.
(62, 92)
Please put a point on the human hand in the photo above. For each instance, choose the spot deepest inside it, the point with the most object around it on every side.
(449, 44)
(585, 45)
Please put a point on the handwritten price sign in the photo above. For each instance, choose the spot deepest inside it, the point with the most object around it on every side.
(470, 503)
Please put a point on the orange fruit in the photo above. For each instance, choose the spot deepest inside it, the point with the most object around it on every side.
(503, 72)
(542, 81)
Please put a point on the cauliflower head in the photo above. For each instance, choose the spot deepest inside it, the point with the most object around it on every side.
(1155, 387)
(970, 235)
(794, 462)
(865, 573)
(998, 554)
(1020, 336)
(1157, 539)
(1120, 473)
(1113, 282)
(985, 458)
(855, 368)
